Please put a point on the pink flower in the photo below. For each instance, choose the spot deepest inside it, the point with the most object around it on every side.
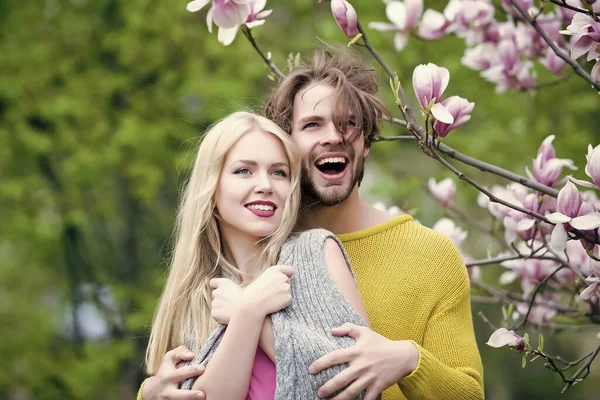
(429, 83)
(586, 32)
(404, 17)
(568, 204)
(224, 13)
(503, 337)
(553, 62)
(444, 191)
(480, 57)
(546, 167)
(468, 14)
(433, 25)
(592, 168)
(460, 109)
(345, 16)
(257, 13)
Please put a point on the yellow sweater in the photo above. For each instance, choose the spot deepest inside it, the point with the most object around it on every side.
(415, 287)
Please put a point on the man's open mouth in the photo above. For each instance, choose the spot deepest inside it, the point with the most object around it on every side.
(332, 165)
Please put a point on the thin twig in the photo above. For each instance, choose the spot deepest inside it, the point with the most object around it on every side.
(585, 367)
(574, 64)
(570, 7)
(248, 33)
(533, 296)
(491, 196)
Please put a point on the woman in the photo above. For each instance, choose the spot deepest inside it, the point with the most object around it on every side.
(234, 223)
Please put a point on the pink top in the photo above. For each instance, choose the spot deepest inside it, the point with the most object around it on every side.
(262, 381)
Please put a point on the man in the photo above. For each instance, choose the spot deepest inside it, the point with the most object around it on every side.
(415, 288)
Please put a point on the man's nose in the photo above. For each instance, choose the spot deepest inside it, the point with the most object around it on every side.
(331, 136)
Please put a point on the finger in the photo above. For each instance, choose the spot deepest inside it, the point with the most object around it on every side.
(372, 393)
(183, 373)
(354, 389)
(178, 354)
(287, 270)
(214, 283)
(335, 357)
(178, 394)
(338, 382)
(347, 329)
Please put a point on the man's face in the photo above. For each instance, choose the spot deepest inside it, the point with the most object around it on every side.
(331, 164)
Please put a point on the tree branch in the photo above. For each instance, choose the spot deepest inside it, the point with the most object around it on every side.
(574, 64)
(248, 33)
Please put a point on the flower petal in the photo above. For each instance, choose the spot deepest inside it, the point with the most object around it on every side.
(558, 239)
(586, 222)
(589, 291)
(502, 337)
(227, 35)
(396, 12)
(525, 224)
(196, 5)
(442, 114)
(400, 40)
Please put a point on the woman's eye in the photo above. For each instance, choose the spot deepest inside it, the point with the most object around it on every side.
(242, 171)
(310, 125)
(280, 173)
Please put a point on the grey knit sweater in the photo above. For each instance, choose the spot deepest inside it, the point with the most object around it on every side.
(302, 330)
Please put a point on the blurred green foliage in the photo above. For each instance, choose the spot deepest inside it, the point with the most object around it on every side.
(102, 103)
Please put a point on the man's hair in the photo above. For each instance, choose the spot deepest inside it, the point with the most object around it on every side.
(355, 87)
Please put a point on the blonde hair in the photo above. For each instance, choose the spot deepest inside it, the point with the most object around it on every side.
(184, 307)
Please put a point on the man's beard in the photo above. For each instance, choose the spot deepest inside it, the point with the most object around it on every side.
(312, 195)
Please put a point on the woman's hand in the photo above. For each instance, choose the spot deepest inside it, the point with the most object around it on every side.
(164, 385)
(271, 291)
(226, 299)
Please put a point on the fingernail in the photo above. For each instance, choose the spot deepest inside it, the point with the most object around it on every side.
(311, 369)
(189, 354)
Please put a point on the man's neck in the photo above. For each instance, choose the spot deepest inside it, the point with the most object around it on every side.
(349, 216)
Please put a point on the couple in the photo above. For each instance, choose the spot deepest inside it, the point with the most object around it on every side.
(301, 328)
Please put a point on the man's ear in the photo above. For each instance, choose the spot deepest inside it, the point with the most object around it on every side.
(366, 151)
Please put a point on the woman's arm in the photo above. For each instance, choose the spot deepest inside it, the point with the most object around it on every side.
(338, 269)
(228, 372)
(267, 340)
(227, 375)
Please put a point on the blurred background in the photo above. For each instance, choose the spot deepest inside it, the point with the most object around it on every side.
(102, 103)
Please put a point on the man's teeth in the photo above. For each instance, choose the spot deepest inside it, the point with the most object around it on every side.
(332, 160)
(261, 207)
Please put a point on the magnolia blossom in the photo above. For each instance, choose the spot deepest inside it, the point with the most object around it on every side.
(553, 62)
(481, 57)
(546, 167)
(586, 32)
(404, 17)
(592, 168)
(444, 191)
(460, 109)
(429, 82)
(224, 13)
(468, 14)
(433, 25)
(503, 337)
(568, 203)
(510, 72)
(449, 228)
(345, 16)
(530, 271)
(540, 314)
(593, 280)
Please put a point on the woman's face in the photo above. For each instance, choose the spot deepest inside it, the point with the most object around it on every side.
(253, 186)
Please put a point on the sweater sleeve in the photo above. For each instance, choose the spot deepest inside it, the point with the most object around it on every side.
(449, 364)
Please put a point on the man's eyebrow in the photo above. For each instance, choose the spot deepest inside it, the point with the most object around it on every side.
(311, 118)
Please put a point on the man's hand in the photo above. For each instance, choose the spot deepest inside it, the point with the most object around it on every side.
(226, 297)
(164, 385)
(375, 363)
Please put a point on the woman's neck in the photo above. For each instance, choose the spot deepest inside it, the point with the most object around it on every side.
(243, 251)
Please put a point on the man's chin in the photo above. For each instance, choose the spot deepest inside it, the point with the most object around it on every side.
(331, 195)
